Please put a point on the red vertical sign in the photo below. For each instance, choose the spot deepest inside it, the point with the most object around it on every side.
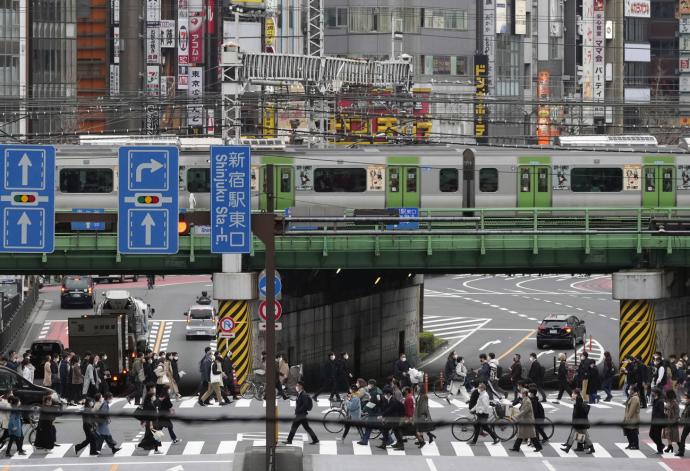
(211, 15)
(196, 39)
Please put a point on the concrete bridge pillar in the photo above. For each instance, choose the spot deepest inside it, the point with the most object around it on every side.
(654, 312)
(233, 290)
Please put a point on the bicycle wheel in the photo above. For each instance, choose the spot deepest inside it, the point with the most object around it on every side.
(547, 426)
(333, 415)
(462, 429)
(504, 429)
(440, 389)
(259, 391)
(247, 390)
(32, 436)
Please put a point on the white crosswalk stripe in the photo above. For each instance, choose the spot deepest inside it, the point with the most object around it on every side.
(453, 328)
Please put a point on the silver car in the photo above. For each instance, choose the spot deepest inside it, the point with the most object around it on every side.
(201, 321)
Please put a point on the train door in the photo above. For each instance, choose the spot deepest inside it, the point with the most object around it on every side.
(534, 186)
(283, 187)
(402, 187)
(659, 189)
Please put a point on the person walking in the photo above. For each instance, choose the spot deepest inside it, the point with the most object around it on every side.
(229, 388)
(672, 412)
(482, 409)
(176, 377)
(580, 429)
(329, 378)
(631, 419)
(539, 415)
(165, 408)
(642, 381)
(65, 374)
(526, 429)
(47, 372)
(401, 370)
(27, 370)
(352, 406)
(282, 372)
(536, 375)
(583, 372)
(515, 376)
(372, 409)
(449, 372)
(215, 382)
(656, 429)
(594, 383)
(628, 369)
(173, 390)
(457, 386)
(685, 420)
(104, 374)
(77, 380)
(138, 378)
(5, 410)
(103, 425)
(91, 379)
(393, 412)
(162, 379)
(608, 374)
(302, 407)
(151, 440)
(562, 375)
(15, 428)
(89, 427)
(345, 376)
(46, 435)
(205, 370)
(422, 417)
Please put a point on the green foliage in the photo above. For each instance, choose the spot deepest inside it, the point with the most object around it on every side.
(428, 342)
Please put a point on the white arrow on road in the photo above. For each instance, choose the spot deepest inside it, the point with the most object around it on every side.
(25, 163)
(24, 222)
(489, 343)
(548, 352)
(153, 165)
(176, 468)
(148, 224)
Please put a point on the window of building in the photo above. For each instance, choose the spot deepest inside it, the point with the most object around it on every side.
(448, 181)
(199, 180)
(443, 65)
(594, 180)
(444, 19)
(635, 73)
(635, 30)
(369, 20)
(83, 180)
(348, 180)
(488, 180)
(663, 10)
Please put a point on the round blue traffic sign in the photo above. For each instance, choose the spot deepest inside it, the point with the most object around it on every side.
(262, 284)
(227, 324)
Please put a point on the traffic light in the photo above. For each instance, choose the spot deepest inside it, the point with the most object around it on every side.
(182, 226)
(24, 198)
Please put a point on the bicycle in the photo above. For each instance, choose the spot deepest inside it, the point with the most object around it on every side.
(441, 388)
(31, 425)
(336, 415)
(254, 388)
(548, 427)
(463, 427)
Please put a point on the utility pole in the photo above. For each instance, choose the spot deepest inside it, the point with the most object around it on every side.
(131, 63)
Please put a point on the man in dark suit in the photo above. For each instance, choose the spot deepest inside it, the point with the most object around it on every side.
(393, 412)
(302, 408)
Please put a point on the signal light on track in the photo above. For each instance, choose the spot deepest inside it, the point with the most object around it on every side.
(27, 198)
(148, 199)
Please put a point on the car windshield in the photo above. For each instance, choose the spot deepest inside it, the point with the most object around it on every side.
(76, 283)
(553, 324)
(200, 313)
(43, 348)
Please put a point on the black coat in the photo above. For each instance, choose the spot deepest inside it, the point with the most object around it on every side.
(400, 367)
(64, 372)
(537, 408)
(562, 372)
(658, 409)
(302, 405)
(642, 371)
(394, 408)
(594, 381)
(175, 370)
(164, 407)
(330, 370)
(515, 372)
(534, 373)
(580, 414)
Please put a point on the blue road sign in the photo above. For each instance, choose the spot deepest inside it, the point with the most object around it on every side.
(262, 285)
(27, 198)
(148, 204)
(231, 218)
(88, 226)
(406, 213)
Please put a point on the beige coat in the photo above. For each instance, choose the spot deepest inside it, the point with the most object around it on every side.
(526, 414)
(283, 370)
(47, 375)
(672, 411)
(631, 420)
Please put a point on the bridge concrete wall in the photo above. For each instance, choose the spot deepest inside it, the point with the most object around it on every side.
(672, 324)
(324, 312)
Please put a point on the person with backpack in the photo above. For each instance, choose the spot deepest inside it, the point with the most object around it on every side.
(371, 409)
(495, 376)
(608, 374)
(303, 405)
(536, 375)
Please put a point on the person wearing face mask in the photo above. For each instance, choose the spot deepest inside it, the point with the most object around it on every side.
(92, 381)
(658, 414)
(175, 375)
(536, 375)
(401, 370)
(172, 384)
(345, 376)
(631, 420)
(103, 425)
(149, 441)
(563, 384)
(526, 431)
(482, 409)
(641, 380)
(393, 411)
(583, 372)
(329, 375)
(457, 386)
(149, 369)
(205, 370)
(302, 407)
(593, 384)
(104, 373)
(449, 372)
(580, 430)
(685, 421)
(515, 376)
(659, 376)
(283, 371)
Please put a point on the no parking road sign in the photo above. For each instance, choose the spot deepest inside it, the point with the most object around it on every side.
(227, 326)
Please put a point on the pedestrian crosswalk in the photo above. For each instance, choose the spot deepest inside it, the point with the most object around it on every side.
(329, 446)
(453, 328)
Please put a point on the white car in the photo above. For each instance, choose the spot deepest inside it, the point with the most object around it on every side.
(201, 321)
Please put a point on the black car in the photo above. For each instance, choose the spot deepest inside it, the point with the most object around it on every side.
(76, 290)
(42, 348)
(561, 330)
(30, 394)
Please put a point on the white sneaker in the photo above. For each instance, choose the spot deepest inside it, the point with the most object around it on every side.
(176, 441)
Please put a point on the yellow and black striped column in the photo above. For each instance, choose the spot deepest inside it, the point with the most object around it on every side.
(241, 344)
(637, 334)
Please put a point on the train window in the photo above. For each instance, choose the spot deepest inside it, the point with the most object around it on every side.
(411, 180)
(525, 180)
(488, 180)
(543, 180)
(394, 179)
(348, 180)
(199, 180)
(86, 180)
(285, 180)
(649, 180)
(448, 180)
(592, 180)
(667, 180)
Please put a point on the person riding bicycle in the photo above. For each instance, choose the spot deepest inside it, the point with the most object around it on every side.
(150, 281)
(204, 299)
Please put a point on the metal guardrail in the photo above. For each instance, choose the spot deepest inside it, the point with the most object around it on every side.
(14, 315)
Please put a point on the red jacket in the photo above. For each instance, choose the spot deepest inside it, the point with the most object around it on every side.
(409, 406)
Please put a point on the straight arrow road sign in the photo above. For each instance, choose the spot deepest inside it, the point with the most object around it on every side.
(25, 163)
(148, 224)
(24, 222)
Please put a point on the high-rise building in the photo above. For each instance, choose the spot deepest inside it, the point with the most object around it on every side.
(13, 77)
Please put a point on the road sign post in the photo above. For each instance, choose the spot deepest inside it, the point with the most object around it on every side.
(277, 283)
(227, 327)
(27, 198)
(231, 199)
(148, 203)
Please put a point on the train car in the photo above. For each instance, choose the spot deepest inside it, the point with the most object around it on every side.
(331, 180)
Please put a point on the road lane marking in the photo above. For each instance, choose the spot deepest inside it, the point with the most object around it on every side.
(328, 447)
(511, 349)
(462, 449)
(431, 465)
(226, 447)
(600, 451)
(495, 450)
(548, 465)
(491, 342)
(159, 337)
(193, 448)
(358, 449)
(635, 454)
(452, 346)
(430, 449)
